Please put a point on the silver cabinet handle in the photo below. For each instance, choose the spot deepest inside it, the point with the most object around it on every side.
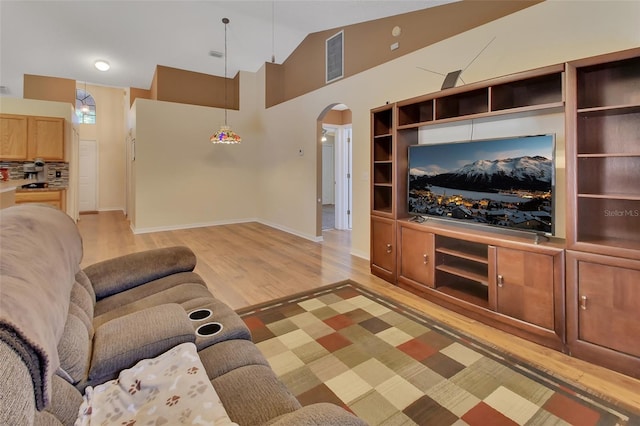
(583, 303)
(388, 248)
(426, 259)
(500, 281)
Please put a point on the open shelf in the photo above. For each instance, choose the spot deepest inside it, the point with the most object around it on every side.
(462, 269)
(382, 122)
(609, 84)
(609, 220)
(460, 288)
(382, 196)
(544, 89)
(382, 172)
(460, 104)
(418, 112)
(607, 156)
(609, 131)
(465, 270)
(609, 175)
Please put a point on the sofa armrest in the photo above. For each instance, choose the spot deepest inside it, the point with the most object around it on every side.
(122, 342)
(122, 273)
(319, 414)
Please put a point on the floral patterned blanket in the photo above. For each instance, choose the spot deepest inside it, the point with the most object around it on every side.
(170, 389)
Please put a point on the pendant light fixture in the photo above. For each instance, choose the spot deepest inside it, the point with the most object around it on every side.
(225, 134)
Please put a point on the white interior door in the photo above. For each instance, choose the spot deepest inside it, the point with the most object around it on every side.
(343, 177)
(88, 176)
(328, 174)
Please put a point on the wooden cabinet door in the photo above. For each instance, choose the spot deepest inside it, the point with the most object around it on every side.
(46, 138)
(607, 302)
(417, 256)
(55, 198)
(525, 282)
(383, 250)
(13, 137)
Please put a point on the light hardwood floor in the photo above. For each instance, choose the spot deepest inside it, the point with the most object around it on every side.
(250, 263)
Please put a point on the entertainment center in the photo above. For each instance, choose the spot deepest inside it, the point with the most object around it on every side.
(575, 288)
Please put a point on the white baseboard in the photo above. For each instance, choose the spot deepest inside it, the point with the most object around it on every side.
(360, 254)
(189, 226)
(225, 222)
(291, 231)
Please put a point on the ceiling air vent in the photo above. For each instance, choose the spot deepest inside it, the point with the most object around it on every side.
(335, 57)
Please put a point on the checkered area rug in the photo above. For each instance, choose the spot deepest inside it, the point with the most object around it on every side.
(391, 365)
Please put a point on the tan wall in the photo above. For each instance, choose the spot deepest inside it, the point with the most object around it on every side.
(135, 93)
(180, 178)
(367, 45)
(108, 132)
(337, 117)
(49, 89)
(188, 87)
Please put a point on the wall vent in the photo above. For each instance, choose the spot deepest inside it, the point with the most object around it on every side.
(335, 57)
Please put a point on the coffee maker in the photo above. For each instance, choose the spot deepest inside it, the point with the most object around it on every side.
(35, 171)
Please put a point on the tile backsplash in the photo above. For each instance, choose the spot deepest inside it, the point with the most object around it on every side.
(16, 171)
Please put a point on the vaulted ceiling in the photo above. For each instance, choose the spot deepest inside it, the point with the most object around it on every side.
(64, 38)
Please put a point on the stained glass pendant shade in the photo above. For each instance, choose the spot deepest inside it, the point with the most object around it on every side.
(225, 134)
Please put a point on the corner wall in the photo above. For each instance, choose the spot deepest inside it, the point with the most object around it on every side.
(548, 33)
(182, 180)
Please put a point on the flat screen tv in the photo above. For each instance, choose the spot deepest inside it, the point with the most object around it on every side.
(506, 182)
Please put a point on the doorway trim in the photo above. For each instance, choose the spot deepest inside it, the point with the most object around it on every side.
(339, 154)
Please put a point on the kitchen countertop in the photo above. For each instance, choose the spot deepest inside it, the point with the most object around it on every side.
(12, 185)
(16, 185)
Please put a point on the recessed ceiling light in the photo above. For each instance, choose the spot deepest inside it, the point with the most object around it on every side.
(102, 65)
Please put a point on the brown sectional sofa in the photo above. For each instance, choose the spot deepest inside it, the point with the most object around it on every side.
(63, 328)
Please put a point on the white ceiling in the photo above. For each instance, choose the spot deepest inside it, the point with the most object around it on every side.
(64, 38)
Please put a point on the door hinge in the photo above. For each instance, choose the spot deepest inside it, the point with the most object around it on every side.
(348, 211)
(348, 175)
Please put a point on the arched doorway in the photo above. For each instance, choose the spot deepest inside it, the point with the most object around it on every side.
(334, 169)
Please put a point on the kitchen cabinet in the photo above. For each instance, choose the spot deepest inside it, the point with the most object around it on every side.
(56, 198)
(24, 137)
(13, 137)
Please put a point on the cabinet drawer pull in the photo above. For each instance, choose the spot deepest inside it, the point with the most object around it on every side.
(426, 259)
(583, 302)
(500, 281)
(388, 248)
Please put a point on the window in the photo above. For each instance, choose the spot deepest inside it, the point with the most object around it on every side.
(335, 57)
(85, 107)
